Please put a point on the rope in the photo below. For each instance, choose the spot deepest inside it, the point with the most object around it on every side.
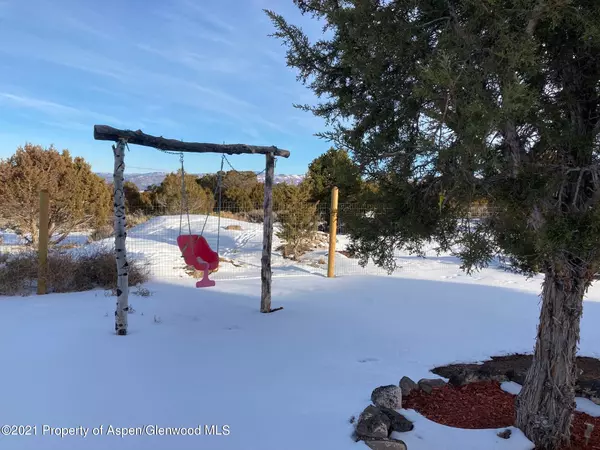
(217, 188)
(184, 198)
(237, 171)
(219, 207)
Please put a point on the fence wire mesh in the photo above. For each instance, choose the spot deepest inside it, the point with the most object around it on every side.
(300, 241)
(347, 264)
(236, 234)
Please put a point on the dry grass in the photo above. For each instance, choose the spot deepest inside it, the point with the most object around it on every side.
(254, 216)
(301, 246)
(100, 233)
(229, 215)
(137, 218)
(107, 231)
(67, 272)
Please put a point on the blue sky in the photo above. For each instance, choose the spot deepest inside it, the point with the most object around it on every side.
(196, 70)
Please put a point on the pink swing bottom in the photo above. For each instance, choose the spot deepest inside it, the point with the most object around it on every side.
(205, 281)
(197, 253)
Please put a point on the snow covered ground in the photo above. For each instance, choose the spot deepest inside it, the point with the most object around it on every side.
(289, 380)
(156, 242)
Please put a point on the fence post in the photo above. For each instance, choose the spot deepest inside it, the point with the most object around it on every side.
(42, 287)
(333, 221)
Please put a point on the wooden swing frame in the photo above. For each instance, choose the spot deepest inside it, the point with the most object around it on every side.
(124, 137)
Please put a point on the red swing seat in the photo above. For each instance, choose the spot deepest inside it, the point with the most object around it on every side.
(198, 254)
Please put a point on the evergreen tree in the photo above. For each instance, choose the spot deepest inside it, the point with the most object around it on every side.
(135, 201)
(78, 197)
(168, 195)
(444, 102)
(333, 168)
(240, 191)
(297, 219)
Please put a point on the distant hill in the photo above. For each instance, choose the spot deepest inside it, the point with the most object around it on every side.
(144, 180)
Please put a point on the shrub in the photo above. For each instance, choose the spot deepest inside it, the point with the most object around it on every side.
(97, 268)
(298, 223)
(255, 216)
(167, 197)
(67, 272)
(102, 232)
(79, 198)
(18, 273)
(137, 218)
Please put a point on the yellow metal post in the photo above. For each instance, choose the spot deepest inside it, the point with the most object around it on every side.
(42, 287)
(333, 221)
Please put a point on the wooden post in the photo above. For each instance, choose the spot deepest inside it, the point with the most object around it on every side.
(333, 223)
(265, 299)
(42, 286)
(122, 308)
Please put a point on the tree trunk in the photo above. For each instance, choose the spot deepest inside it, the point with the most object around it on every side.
(34, 233)
(547, 400)
(120, 236)
(265, 299)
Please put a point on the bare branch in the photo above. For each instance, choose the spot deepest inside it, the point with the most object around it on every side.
(535, 17)
(577, 188)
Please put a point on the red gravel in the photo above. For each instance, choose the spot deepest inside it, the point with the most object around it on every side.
(486, 405)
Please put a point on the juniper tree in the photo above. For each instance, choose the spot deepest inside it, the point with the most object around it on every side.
(78, 197)
(168, 195)
(333, 168)
(240, 191)
(297, 220)
(446, 101)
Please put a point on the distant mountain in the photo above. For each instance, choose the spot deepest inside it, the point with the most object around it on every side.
(144, 180)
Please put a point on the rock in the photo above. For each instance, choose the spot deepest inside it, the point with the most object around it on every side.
(589, 389)
(516, 376)
(505, 434)
(372, 423)
(398, 422)
(387, 396)
(407, 386)
(462, 377)
(427, 384)
(453, 369)
(490, 374)
(386, 444)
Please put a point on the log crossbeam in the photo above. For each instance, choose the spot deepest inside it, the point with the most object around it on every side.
(106, 133)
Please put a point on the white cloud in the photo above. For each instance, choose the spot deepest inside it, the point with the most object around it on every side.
(37, 104)
(54, 110)
(85, 27)
(185, 59)
(204, 14)
(69, 54)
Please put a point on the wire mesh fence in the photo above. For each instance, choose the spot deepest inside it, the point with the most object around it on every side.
(235, 232)
(430, 259)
